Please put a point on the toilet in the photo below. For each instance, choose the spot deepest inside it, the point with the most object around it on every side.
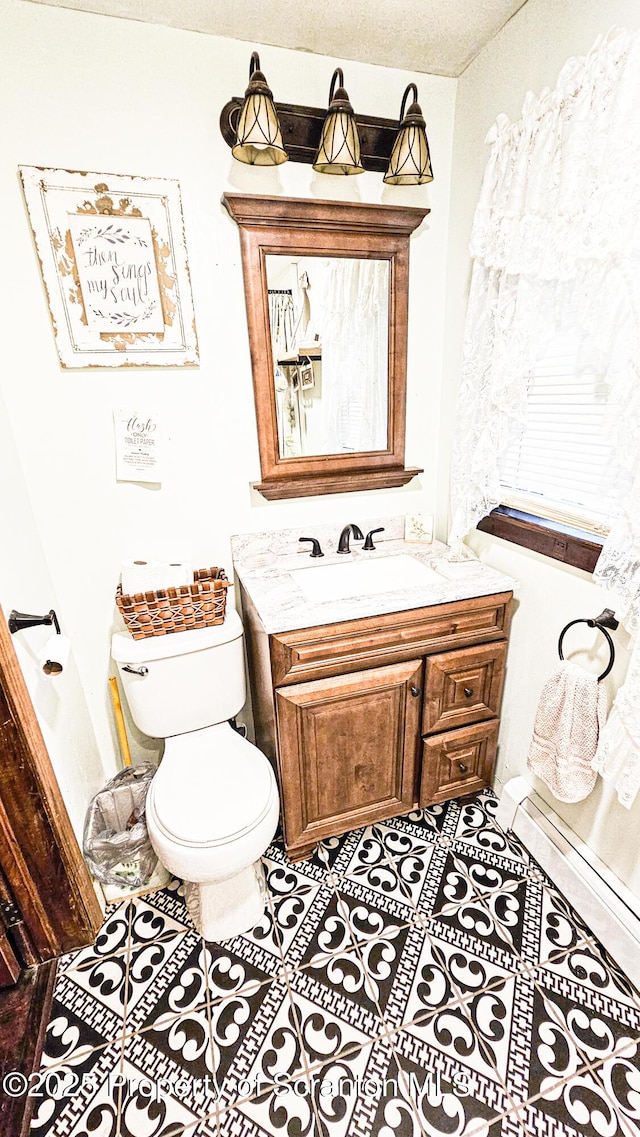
(212, 808)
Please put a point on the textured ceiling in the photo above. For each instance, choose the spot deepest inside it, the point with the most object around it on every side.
(439, 37)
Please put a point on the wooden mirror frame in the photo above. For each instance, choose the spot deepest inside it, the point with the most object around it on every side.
(281, 225)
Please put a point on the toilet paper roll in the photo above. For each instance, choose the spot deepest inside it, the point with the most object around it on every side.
(148, 576)
(139, 576)
(174, 575)
(55, 655)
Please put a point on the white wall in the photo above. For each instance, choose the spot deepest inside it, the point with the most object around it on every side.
(86, 92)
(527, 55)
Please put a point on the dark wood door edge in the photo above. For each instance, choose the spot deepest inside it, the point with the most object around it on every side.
(24, 1015)
(40, 855)
(549, 538)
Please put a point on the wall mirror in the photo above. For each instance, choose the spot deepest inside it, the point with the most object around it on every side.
(326, 287)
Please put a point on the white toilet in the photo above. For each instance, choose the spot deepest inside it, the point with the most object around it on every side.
(213, 805)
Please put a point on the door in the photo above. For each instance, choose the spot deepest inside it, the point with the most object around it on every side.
(46, 894)
(11, 957)
(47, 902)
(348, 751)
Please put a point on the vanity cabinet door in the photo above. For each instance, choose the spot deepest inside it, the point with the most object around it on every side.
(348, 751)
(458, 762)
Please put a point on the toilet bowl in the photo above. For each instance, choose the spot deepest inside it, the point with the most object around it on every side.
(212, 808)
(211, 811)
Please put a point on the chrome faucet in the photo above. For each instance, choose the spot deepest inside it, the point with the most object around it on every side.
(343, 543)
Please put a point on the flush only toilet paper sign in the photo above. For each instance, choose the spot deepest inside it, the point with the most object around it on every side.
(138, 446)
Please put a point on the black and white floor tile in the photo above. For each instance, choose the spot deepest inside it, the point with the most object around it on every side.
(418, 977)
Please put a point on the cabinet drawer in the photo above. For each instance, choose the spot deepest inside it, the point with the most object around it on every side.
(463, 687)
(458, 762)
(336, 649)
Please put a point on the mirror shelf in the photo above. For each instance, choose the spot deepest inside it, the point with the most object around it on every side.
(326, 290)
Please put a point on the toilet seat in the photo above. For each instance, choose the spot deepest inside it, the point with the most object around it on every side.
(212, 787)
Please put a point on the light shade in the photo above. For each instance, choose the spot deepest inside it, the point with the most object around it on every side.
(410, 162)
(258, 137)
(339, 150)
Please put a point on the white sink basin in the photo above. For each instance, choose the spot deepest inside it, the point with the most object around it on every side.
(362, 578)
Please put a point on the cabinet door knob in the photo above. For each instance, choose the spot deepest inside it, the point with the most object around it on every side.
(468, 692)
(462, 768)
(415, 691)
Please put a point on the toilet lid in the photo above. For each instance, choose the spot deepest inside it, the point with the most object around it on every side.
(211, 786)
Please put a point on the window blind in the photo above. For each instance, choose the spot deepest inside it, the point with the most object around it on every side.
(558, 468)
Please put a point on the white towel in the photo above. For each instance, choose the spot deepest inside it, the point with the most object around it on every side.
(571, 713)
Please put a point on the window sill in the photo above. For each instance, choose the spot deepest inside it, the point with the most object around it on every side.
(552, 539)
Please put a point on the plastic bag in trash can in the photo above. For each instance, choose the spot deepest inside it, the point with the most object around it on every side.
(116, 843)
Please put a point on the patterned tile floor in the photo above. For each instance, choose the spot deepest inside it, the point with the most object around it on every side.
(421, 976)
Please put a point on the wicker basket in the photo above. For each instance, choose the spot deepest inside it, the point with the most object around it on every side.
(197, 605)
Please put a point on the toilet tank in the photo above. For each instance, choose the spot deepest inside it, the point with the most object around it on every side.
(193, 679)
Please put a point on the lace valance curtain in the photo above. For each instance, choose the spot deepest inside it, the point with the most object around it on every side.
(558, 224)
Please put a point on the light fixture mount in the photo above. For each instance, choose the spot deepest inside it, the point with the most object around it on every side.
(301, 129)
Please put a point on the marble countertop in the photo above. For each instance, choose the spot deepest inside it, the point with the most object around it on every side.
(264, 562)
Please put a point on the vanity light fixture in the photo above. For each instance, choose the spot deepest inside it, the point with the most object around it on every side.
(339, 150)
(258, 135)
(410, 162)
(333, 140)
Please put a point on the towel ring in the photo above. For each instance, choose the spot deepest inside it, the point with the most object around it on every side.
(593, 624)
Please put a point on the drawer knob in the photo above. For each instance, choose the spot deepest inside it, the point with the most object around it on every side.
(462, 768)
(468, 692)
(415, 691)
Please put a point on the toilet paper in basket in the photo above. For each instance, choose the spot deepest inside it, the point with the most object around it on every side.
(148, 576)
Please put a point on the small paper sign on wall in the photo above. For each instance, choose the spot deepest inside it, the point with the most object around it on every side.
(138, 446)
(114, 264)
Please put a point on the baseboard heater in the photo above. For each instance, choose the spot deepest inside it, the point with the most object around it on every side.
(604, 903)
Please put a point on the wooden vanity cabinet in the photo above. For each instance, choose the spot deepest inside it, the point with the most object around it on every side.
(366, 719)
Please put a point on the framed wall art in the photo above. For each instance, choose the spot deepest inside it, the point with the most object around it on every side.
(114, 265)
(306, 375)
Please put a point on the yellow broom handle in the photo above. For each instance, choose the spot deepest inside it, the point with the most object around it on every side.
(119, 717)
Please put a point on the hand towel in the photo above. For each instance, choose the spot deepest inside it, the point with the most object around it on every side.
(571, 713)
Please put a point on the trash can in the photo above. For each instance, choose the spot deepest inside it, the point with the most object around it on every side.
(116, 843)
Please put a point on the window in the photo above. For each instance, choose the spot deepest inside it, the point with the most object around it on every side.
(559, 468)
(555, 477)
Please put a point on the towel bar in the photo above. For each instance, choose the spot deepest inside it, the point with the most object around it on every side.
(605, 620)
